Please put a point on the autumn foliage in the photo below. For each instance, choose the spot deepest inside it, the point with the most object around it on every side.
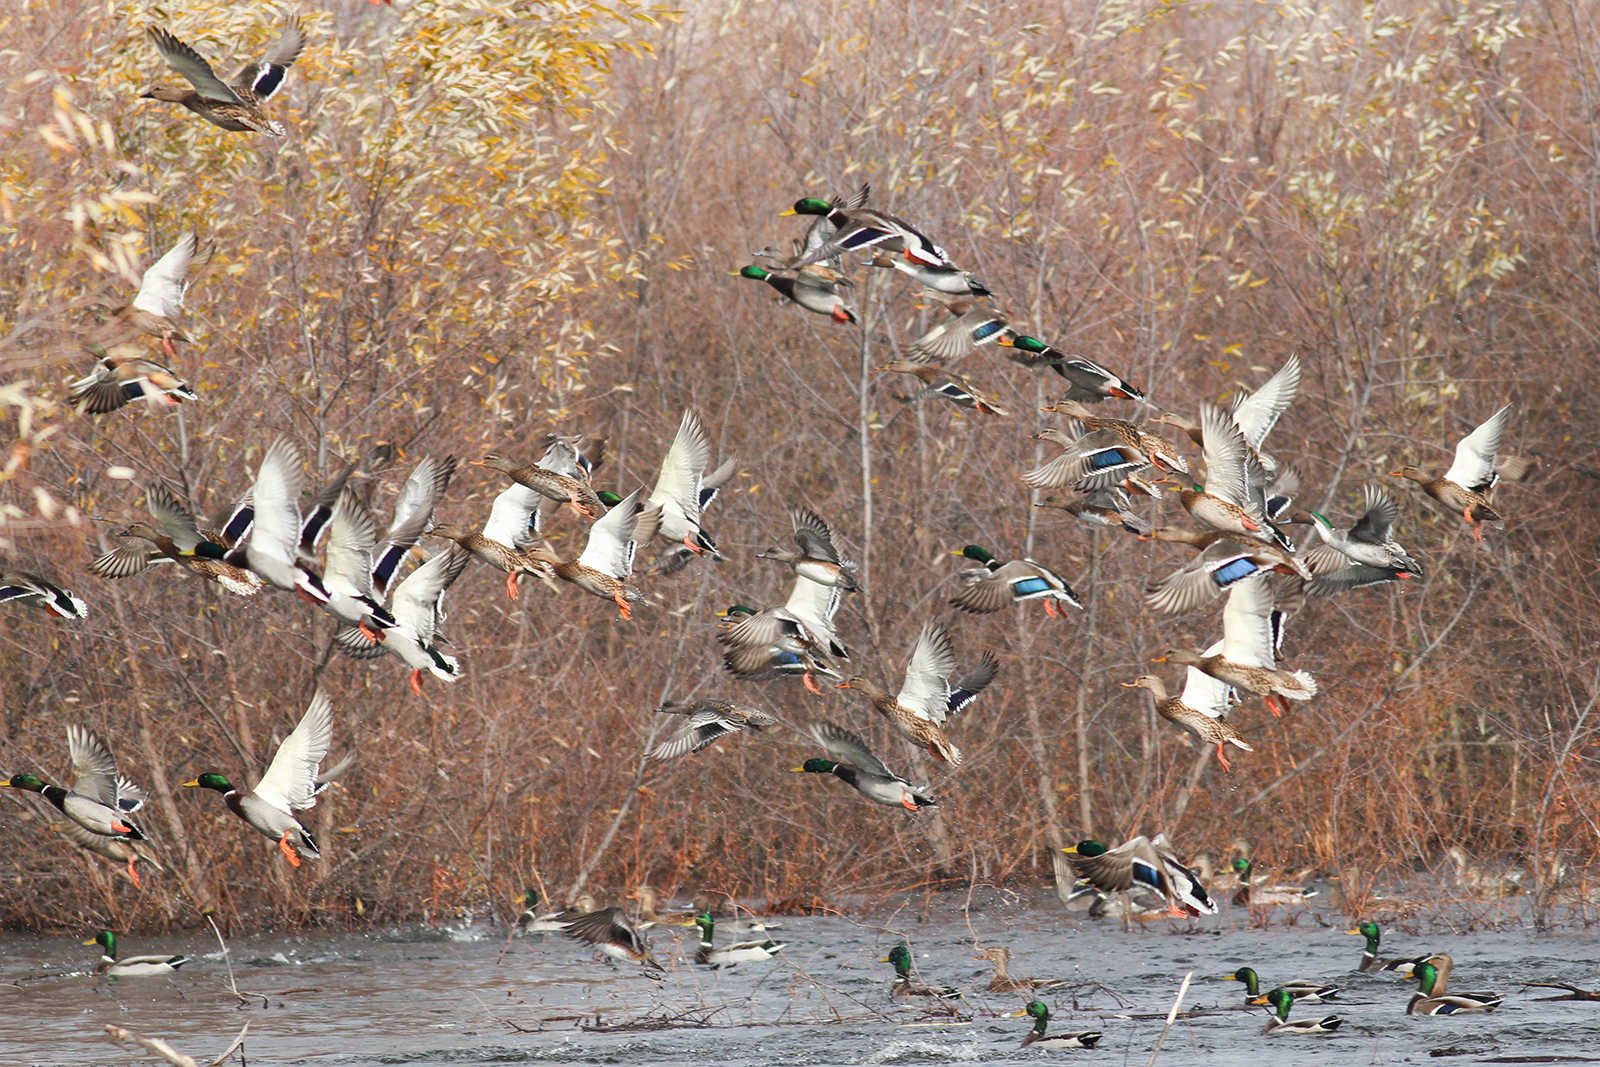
(485, 224)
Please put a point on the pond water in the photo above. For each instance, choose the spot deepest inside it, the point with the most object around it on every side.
(467, 995)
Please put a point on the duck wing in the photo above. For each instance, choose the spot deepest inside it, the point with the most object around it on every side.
(847, 747)
(1247, 636)
(162, 288)
(683, 468)
(264, 77)
(1475, 453)
(611, 544)
(1257, 413)
(926, 690)
(195, 70)
(290, 783)
(94, 768)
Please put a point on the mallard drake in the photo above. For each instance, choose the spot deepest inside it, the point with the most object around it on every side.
(904, 987)
(1281, 1000)
(236, 107)
(758, 645)
(1371, 961)
(704, 722)
(1041, 1020)
(95, 800)
(573, 489)
(122, 375)
(24, 587)
(679, 487)
(973, 322)
(1157, 450)
(949, 281)
(1434, 998)
(995, 585)
(417, 608)
(177, 537)
(926, 700)
(1003, 982)
(612, 935)
(1091, 383)
(532, 921)
(854, 763)
(273, 551)
(1101, 507)
(678, 555)
(288, 786)
(347, 573)
(804, 287)
(864, 227)
(727, 956)
(1464, 488)
(130, 966)
(159, 302)
(1246, 660)
(818, 560)
(1366, 554)
(1199, 709)
(1142, 861)
(1222, 564)
(607, 560)
(1092, 461)
(1310, 992)
(822, 230)
(1253, 893)
(951, 386)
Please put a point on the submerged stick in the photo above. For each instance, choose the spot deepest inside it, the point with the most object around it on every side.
(1171, 1015)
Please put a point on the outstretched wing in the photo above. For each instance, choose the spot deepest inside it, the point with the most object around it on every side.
(1474, 465)
(290, 783)
(187, 62)
(926, 690)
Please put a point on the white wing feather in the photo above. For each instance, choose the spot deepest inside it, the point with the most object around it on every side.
(1475, 453)
(290, 783)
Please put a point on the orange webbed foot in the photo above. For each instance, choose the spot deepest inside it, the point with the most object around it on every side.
(1277, 705)
(369, 632)
(810, 683)
(581, 508)
(1223, 759)
(907, 803)
(688, 540)
(623, 608)
(133, 875)
(1050, 608)
(933, 750)
(288, 849)
(166, 346)
(416, 682)
(122, 828)
(511, 584)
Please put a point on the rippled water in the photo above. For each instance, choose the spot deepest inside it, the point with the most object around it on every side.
(465, 996)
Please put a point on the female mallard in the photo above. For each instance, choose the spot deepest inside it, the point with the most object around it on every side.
(937, 381)
(1141, 861)
(607, 560)
(573, 489)
(612, 935)
(1090, 382)
(159, 302)
(26, 588)
(854, 764)
(996, 585)
(1464, 488)
(1366, 554)
(1158, 450)
(122, 375)
(505, 538)
(1247, 659)
(1227, 503)
(1199, 709)
(1092, 461)
(1041, 1020)
(1003, 982)
(95, 800)
(416, 605)
(290, 784)
(1222, 564)
(704, 722)
(1281, 1000)
(904, 987)
(864, 227)
(1434, 998)
(1371, 961)
(1310, 992)
(742, 952)
(235, 107)
(973, 322)
(804, 287)
(818, 560)
(925, 700)
(131, 966)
